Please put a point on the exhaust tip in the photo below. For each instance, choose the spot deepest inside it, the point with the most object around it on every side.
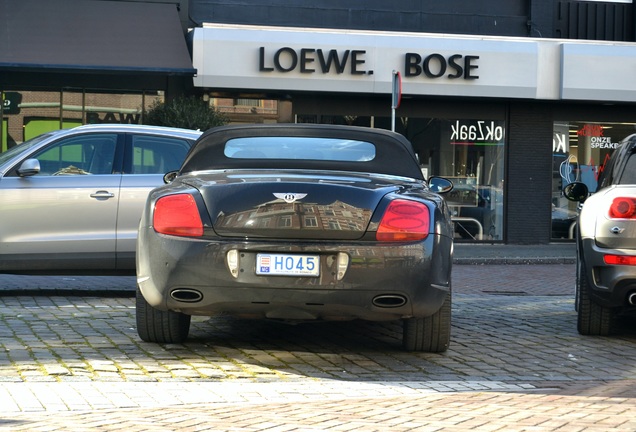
(389, 300)
(186, 295)
(631, 298)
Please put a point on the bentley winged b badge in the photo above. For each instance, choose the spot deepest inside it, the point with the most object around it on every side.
(289, 197)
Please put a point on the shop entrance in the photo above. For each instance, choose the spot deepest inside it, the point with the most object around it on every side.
(468, 151)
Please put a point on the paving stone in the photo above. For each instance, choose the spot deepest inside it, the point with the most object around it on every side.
(515, 363)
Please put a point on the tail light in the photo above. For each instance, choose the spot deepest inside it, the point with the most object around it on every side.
(619, 260)
(623, 208)
(177, 215)
(404, 220)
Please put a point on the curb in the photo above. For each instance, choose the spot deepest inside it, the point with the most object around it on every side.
(514, 261)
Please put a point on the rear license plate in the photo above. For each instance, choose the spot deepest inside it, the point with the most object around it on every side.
(287, 265)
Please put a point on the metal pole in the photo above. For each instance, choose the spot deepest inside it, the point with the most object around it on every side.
(396, 95)
(393, 119)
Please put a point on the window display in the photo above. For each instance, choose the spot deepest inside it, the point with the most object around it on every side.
(27, 114)
(469, 152)
(581, 150)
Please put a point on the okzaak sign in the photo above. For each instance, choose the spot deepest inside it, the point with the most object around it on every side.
(321, 60)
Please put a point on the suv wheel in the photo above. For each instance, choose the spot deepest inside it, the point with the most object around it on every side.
(593, 319)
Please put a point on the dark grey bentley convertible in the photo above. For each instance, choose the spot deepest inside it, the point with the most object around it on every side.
(297, 223)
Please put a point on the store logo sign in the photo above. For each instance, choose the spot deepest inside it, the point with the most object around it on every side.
(309, 60)
(602, 143)
(596, 135)
(559, 143)
(436, 66)
(590, 130)
(11, 102)
(316, 60)
(479, 132)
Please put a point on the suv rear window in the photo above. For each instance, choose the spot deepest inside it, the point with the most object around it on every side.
(303, 148)
(629, 173)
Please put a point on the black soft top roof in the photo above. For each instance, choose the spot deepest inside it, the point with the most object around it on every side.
(394, 153)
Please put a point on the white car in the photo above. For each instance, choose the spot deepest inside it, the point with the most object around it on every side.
(606, 243)
(71, 200)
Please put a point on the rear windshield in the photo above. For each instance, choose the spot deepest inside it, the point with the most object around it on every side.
(304, 148)
(629, 173)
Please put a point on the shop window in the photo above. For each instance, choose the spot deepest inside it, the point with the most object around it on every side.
(27, 114)
(470, 152)
(580, 150)
(472, 156)
(247, 102)
(34, 126)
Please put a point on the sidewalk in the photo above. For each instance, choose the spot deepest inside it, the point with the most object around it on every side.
(553, 253)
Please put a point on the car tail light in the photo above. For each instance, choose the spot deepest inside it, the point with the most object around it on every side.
(619, 260)
(404, 221)
(177, 215)
(623, 208)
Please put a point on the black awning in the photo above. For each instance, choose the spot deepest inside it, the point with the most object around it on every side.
(92, 36)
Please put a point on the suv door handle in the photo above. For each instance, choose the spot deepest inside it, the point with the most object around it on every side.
(102, 194)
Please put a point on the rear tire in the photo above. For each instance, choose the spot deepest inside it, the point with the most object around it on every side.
(592, 319)
(430, 334)
(154, 325)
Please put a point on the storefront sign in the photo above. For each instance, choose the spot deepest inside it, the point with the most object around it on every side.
(112, 117)
(325, 60)
(11, 102)
(560, 144)
(602, 143)
(477, 133)
(289, 59)
(436, 66)
(595, 133)
(590, 130)
(318, 60)
(309, 60)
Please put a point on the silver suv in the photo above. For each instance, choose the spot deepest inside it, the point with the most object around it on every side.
(71, 200)
(606, 243)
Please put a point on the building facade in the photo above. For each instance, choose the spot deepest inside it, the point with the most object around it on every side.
(69, 62)
(511, 99)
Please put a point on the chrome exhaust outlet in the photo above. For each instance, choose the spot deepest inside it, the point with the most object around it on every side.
(389, 300)
(631, 298)
(186, 295)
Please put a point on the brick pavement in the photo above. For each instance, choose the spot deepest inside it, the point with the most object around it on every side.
(515, 279)
(516, 363)
(454, 412)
